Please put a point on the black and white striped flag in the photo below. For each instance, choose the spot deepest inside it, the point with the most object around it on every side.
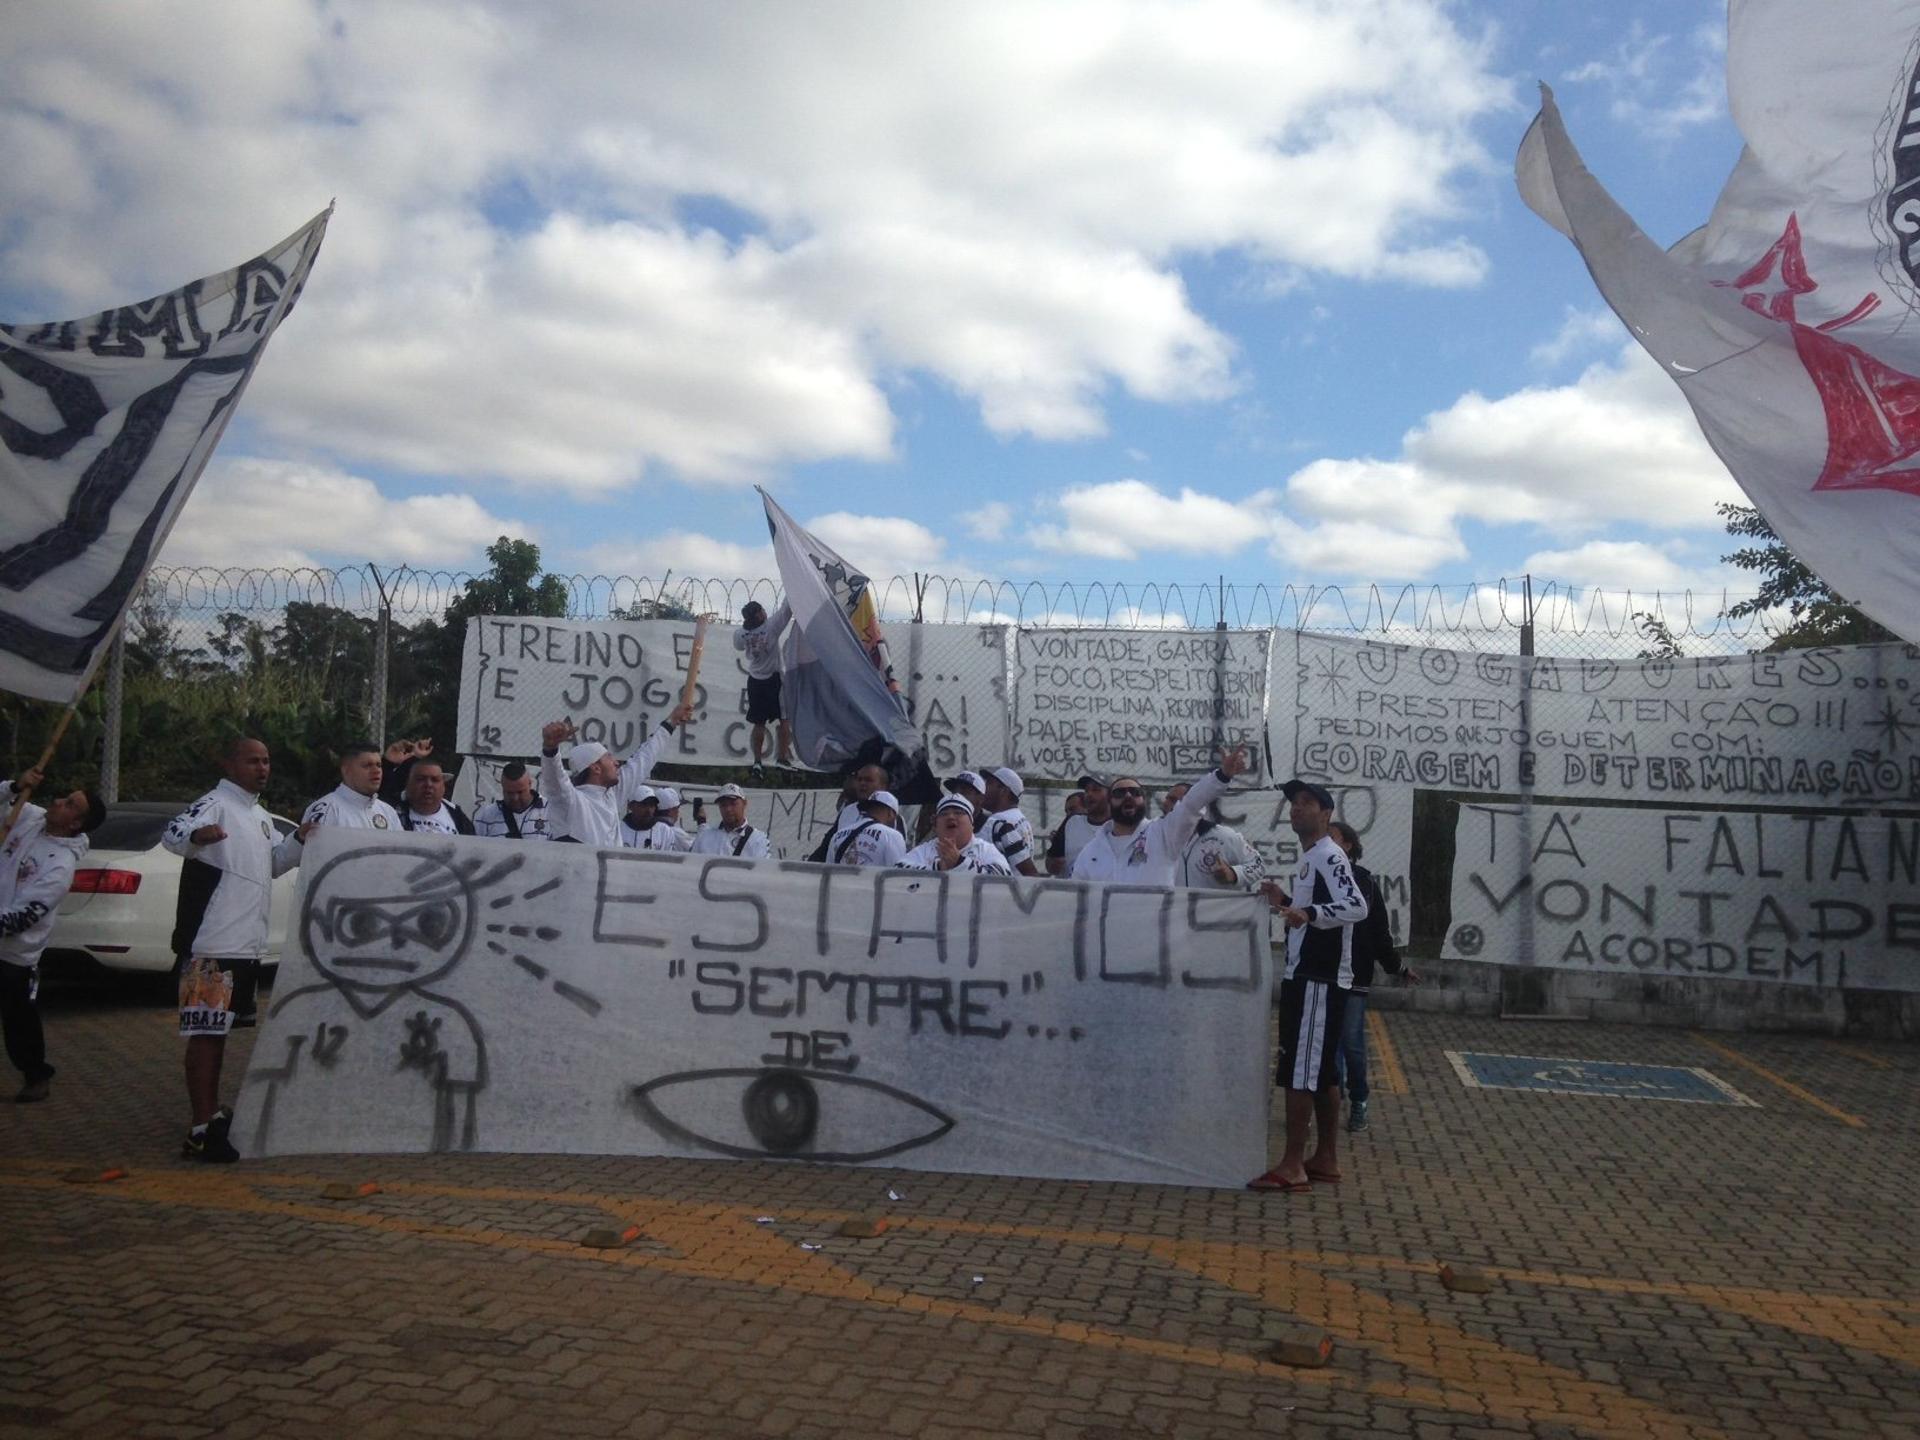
(105, 425)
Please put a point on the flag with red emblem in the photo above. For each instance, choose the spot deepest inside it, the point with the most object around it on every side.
(1789, 319)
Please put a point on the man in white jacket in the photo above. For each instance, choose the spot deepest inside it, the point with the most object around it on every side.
(43, 850)
(1140, 851)
(1218, 857)
(355, 803)
(231, 856)
(733, 835)
(588, 792)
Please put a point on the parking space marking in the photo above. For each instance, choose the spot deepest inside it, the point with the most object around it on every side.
(1798, 1092)
(1577, 1075)
(1391, 1075)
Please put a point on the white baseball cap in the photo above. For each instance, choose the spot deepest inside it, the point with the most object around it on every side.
(969, 778)
(1010, 778)
(669, 797)
(583, 755)
(730, 792)
(644, 794)
(881, 797)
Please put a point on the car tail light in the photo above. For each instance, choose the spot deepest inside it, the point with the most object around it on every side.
(105, 882)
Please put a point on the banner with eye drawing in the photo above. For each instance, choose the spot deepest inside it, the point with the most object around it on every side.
(446, 995)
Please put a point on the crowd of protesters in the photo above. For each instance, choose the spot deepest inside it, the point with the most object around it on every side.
(230, 849)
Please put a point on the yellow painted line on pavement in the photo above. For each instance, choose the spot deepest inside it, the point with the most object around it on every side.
(1798, 1093)
(1391, 1075)
(1879, 1062)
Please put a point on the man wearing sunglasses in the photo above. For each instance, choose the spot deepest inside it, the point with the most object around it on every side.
(1140, 851)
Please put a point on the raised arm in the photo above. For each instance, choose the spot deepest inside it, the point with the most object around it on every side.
(638, 765)
(1186, 816)
(556, 786)
(777, 622)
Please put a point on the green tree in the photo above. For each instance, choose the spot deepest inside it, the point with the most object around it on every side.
(1819, 615)
(423, 685)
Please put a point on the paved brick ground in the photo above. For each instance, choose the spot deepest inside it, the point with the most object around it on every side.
(1660, 1268)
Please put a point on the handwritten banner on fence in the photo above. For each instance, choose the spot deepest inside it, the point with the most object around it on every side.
(1795, 899)
(1825, 728)
(483, 995)
(1150, 703)
(617, 679)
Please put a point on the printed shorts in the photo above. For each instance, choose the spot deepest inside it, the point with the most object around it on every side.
(217, 994)
(763, 700)
(1310, 1016)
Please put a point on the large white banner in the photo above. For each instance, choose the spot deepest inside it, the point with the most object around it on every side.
(1796, 899)
(1821, 728)
(616, 679)
(485, 995)
(1148, 703)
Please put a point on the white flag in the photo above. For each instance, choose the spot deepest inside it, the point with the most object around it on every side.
(1788, 319)
(105, 425)
(837, 687)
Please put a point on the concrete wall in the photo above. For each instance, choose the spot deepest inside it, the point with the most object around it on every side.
(1465, 988)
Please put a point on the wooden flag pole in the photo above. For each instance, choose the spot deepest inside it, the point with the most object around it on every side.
(693, 660)
(21, 792)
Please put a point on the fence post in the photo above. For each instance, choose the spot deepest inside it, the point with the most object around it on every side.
(112, 702)
(1220, 670)
(1524, 783)
(377, 698)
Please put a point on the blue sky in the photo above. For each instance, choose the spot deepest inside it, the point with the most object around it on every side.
(1069, 291)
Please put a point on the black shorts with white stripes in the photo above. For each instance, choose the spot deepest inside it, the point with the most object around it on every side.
(1310, 1015)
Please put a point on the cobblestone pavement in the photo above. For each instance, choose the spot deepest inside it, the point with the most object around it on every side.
(1656, 1268)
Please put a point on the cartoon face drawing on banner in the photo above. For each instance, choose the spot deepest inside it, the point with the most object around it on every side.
(414, 933)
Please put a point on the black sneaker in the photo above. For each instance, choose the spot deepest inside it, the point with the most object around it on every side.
(210, 1146)
(756, 771)
(1357, 1116)
(35, 1090)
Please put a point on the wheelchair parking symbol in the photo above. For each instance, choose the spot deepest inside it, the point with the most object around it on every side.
(1567, 1075)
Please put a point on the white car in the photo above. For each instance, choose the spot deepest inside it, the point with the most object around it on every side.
(119, 913)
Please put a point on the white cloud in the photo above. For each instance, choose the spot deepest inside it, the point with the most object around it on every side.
(526, 277)
(1121, 518)
(882, 545)
(1630, 565)
(989, 522)
(273, 513)
(1657, 88)
(1617, 446)
(1581, 332)
(678, 552)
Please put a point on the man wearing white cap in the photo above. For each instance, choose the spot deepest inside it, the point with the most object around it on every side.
(873, 839)
(970, 786)
(643, 813)
(1007, 830)
(733, 835)
(668, 833)
(954, 846)
(588, 792)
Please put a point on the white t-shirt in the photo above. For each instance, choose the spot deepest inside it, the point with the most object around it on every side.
(438, 823)
(979, 856)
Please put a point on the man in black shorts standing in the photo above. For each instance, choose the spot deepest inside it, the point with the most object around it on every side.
(232, 854)
(1321, 907)
(759, 642)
